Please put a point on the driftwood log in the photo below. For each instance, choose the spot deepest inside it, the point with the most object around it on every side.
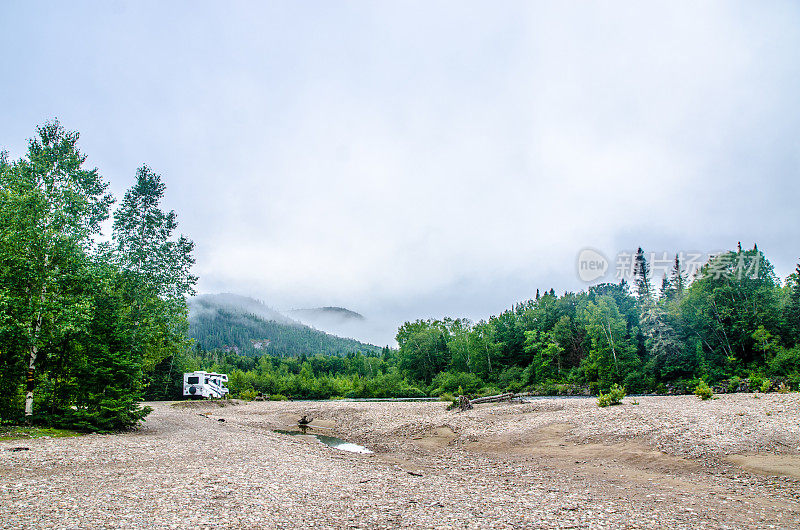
(492, 399)
(465, 403)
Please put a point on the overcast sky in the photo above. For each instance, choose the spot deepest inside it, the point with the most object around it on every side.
(416, 159)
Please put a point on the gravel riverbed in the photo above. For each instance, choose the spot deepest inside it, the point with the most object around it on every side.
(654, 462)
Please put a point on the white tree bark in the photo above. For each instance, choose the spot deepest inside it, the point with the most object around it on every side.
(34, 353)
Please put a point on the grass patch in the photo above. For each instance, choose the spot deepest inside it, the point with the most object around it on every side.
(203, 403)
(28, 433)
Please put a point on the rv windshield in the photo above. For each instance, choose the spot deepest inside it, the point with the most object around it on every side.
(193, 380)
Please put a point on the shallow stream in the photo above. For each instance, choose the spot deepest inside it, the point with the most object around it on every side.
(331, 441)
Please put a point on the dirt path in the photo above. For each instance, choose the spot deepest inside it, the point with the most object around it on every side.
(666, 462)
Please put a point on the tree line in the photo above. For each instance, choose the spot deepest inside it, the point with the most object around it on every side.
(84, 322)
(732, 324)
(733, 320)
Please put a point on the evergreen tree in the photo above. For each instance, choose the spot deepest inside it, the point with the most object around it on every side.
(107, 370)
(792, 311)
(677, 281)
(665, 288)
(641, 275)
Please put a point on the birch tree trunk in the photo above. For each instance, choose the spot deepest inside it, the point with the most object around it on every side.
(30, 381)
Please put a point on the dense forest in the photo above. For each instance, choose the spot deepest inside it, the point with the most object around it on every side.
(733, 325)
(243, 325)
(84, 322)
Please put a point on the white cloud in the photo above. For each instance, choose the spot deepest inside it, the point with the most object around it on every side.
(408, 159)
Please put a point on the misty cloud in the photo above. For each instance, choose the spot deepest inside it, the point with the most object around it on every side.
(412, 160)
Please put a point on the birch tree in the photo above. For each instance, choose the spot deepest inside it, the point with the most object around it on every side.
(51, 208)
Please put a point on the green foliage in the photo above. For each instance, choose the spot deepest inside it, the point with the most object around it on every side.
(27, 433)
(786, 362)
(455, 383)
(487, 391)
(247, 395)
(755, 382)
(703, 391)
(278, 397)
(734, 383)
(614, 396)
(766, 386)
(82, 325)
(423, 349)
(791, 310)
(612, 347)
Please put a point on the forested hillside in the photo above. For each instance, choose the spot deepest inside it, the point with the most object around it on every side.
(248, 327)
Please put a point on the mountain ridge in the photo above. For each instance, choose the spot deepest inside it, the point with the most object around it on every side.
(330, 311)
(250, 327)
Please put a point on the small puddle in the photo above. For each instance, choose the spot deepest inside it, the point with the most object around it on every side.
(331, 441)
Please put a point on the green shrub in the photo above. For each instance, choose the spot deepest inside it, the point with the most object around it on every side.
(733, 384)
(514, 386)
(248, 394)
(703, 391)
(688, 386)
(766, 386)
(511, 379)
(786, 361)
(755, 382)
(278, 397)
(451, 381)
(613, 397)
(489, 391)
(547, 388)
(635, 382)
(794, 380)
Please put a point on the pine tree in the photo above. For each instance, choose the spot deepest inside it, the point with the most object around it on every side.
(641, 275)
(792, 312)
(676, 282)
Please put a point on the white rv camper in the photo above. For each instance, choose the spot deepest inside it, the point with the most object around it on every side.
(204, 385)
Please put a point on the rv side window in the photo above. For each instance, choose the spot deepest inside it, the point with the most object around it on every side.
(206, 380)
(193, 380)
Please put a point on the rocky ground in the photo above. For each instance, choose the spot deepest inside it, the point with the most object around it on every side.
(664, 462)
